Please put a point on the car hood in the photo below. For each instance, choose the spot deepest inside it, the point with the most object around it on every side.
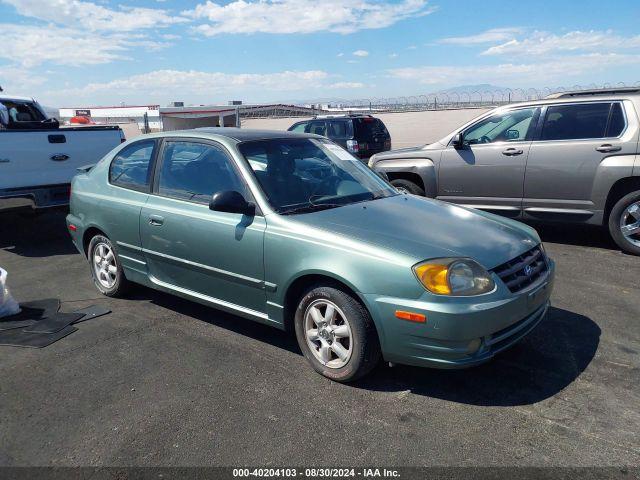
(424, 228)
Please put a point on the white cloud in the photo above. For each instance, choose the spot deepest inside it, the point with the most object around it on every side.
(345, 85)
(543, 43)
(164, 85)
(360, 53)
(532, 73)
(393, 55)
(340, 55)
(488, 36)
(302, 16)
(90, 16)
(30, 46)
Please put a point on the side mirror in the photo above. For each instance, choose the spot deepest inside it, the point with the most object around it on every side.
(231, 201)
(457, 141)
(512, 135)
(383, 175)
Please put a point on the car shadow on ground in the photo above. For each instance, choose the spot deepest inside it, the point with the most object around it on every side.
(35, 235)
(575, 234)
(219, 318)
(545, 362)
(541, 365)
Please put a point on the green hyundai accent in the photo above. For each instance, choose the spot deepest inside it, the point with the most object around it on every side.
(292, 231)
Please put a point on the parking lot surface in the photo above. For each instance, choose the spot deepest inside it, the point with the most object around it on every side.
(163, 381)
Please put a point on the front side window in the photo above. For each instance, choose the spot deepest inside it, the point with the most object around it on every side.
(302, 175)
(512, 126)
(195, 171)
(130, 168)
(575, 122)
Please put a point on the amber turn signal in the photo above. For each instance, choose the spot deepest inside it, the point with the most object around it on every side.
(411, 317)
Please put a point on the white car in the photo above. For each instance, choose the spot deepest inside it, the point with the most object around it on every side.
(38, 158)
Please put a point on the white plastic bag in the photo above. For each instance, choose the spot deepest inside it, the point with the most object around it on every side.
(8, 306)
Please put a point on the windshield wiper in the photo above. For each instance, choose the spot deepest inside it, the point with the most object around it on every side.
(310, 207)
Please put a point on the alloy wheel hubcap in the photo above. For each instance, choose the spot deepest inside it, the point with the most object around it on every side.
(104, 265)
(328, 333)
(630, 224)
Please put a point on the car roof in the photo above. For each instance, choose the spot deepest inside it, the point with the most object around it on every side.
(236, 134)
(609, 97)
(15, 98)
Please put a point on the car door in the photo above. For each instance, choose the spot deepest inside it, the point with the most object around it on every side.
(574, 140)
(339, 131)
(487, 170)
(130, 174)
(213, 256)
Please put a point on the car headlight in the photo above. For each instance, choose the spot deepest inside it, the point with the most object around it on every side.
(454, 276)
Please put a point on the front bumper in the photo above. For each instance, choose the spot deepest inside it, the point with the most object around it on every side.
(459, 332)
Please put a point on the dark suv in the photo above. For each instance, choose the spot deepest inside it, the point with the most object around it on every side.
(362, 135)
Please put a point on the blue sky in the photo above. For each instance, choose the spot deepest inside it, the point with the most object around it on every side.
(73, 52)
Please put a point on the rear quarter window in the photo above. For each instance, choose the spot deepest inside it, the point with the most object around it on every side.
(131, 167)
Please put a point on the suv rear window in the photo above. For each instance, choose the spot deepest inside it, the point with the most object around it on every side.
(582, 121)
(367, 128)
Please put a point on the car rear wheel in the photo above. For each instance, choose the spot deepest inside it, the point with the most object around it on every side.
(106, 270)
(336, 334)
(408, 186)
(624, 223)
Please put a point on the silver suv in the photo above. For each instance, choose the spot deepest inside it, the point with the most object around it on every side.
(572, 157)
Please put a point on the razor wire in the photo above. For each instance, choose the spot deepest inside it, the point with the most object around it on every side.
(458, 99)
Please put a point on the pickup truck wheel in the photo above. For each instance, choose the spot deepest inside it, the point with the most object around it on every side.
(106, 270)
(407, 186)
(336, 334)
(624, 223)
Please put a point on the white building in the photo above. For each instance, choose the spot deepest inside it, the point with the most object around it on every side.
(123, 114)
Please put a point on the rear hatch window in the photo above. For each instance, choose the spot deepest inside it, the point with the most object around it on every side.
(371, 134)
(370, 130)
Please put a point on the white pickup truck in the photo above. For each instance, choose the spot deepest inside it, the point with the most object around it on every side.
(38, 158)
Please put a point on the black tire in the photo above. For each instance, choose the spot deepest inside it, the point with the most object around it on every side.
(120, 283)
(615, 218)
(408, 186)
(365, 346)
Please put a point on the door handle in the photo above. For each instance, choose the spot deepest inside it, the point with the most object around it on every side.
(156, 220)
(607, 147)
(510, 152)
(59, 157)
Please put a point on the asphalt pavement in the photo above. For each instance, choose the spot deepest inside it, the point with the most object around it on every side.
(162, 381)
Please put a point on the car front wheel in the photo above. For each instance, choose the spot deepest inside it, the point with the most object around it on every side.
(408, 187)
(624, 223)
(336, 334)
(106, 270)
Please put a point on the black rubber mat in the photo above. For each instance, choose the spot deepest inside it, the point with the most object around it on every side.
(54, 323)
(30, 313)
(20, 338)
(34, 310)
(10, 325)
(94, 311)
(39, 324)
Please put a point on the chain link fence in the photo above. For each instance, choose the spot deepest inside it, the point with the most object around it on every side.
(459, 99)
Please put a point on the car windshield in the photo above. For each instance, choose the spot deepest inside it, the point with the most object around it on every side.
(299, 175)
